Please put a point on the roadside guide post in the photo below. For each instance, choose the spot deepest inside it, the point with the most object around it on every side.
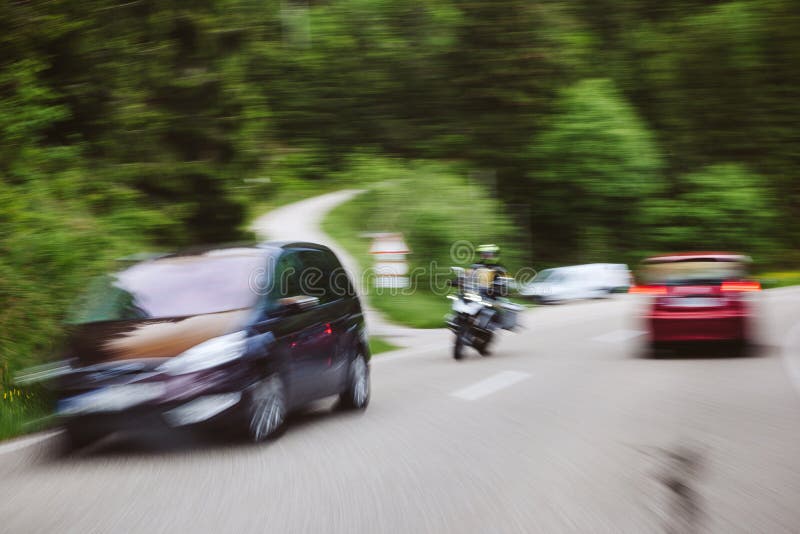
(391, 268)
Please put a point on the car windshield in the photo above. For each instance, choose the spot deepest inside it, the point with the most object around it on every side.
(694, 271)
(543, 275)
(180, 286)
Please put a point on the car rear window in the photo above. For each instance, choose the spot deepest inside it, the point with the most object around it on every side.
(694, 271)
(178, 286)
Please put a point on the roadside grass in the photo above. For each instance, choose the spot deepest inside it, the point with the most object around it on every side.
(378, 345)
(779, 279)
(22, 411)
(419, 309)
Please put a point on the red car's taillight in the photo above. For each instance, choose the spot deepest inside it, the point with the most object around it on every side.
(744, 285)
(648, 290)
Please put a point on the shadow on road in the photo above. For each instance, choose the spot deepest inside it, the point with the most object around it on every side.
(708, 350)
(159, 442)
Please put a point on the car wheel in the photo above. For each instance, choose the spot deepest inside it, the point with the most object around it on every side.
(266, 413)
(657, 350)
(79, 436)
(742, 348)
(356, 394)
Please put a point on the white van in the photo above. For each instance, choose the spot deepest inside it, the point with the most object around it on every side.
(574, 282)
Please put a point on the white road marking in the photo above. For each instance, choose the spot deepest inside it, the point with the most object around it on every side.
(21, 443)
(490, 385)
(618, 336)
(791, 355)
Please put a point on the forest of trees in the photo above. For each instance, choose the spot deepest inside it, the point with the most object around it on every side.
(608, 129)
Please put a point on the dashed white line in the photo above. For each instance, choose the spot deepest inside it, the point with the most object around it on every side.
(618, 336)
(490, 385)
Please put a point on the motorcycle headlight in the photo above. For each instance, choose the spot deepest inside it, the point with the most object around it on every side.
(207, 354)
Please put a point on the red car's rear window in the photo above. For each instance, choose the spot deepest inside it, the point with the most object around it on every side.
(693, 271)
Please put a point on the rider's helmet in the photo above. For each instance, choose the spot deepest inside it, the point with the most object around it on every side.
(489, 254)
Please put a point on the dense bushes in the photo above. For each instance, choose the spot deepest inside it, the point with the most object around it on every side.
(723, 207)
(436, 206)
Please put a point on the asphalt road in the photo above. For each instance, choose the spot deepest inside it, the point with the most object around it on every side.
(565, 428)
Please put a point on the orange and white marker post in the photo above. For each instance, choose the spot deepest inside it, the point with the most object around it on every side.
(391, 267)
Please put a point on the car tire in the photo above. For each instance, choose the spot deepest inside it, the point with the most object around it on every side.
(657, 350)
(356, 395)
(78, 436)
(742, 348)
(266, 409)
(460, 341)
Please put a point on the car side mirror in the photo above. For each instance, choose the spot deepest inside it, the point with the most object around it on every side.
(300, 303)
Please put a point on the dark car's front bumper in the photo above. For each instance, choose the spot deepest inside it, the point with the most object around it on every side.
(199, 399)
(221, 410)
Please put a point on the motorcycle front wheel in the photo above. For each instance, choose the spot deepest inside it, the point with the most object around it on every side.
(461, 340)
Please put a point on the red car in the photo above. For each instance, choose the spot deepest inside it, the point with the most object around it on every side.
(698, 296)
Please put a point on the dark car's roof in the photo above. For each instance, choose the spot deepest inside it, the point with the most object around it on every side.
(698, 256)
(231, 248)
(292, 244)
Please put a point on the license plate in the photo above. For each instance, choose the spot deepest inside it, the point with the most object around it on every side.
(110, 399)
(695, 302)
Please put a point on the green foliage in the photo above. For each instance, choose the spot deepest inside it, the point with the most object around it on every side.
(22, 410)
(435, 205)
(421, 309)
(779, 279)
(437, 208)
(595, 164)
(721, 207)
(378, 345)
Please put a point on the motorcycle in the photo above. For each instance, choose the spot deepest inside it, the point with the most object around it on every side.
(475, 317)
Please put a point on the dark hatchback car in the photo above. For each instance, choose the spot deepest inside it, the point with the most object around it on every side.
(231, 339)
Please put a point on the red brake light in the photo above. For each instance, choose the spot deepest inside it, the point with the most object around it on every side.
(747, 285)
(648, 290)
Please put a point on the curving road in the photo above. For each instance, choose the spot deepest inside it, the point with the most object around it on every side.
(564, 429)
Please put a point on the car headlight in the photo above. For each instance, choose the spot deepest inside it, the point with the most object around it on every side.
(207, 354)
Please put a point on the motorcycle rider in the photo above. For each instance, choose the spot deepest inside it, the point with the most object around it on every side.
(489, 274)
(481, 307)
(490, 278)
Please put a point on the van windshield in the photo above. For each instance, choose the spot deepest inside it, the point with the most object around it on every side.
(178, 286)
(541, 276)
